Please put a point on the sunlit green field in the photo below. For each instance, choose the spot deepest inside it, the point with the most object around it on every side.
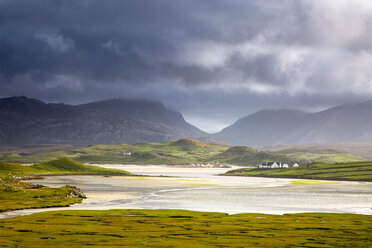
(177, 228)
(331, 157)
(184, 151)
(58, 166)
(356, 171)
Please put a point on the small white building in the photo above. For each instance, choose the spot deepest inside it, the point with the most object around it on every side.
(127, 153)
(275, 165)
(270, 165)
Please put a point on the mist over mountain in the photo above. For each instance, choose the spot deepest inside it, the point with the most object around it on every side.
(31, 121)
(344, 123)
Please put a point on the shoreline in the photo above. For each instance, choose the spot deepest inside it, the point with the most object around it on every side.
(205, 189)
(302, 178)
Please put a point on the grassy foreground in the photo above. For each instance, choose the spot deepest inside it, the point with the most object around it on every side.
(178, 228)
(356, 171)
(59, 166)
(15, 195)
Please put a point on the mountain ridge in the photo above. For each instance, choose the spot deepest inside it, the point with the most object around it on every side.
(31, 121)
(343, 123)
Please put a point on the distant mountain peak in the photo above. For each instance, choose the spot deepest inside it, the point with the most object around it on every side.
(344, 123)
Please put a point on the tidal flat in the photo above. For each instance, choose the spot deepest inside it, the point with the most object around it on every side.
(202, 189)
(153, 210)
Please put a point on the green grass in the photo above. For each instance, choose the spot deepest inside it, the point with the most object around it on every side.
(59, 166)
(331, 157)
(175, 152)
(178, 228)
(15, 195)
(246, 156)
(184, 151)
(354, 171)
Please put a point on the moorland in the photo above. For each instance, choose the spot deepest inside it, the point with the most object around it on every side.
(181, 152)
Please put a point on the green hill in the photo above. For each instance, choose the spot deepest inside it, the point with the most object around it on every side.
(183, 151)
(59, 166)
(13, 168)
(355, 171)
(180, 152)
(246, 156)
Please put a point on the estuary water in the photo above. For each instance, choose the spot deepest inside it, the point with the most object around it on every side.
(202, 189)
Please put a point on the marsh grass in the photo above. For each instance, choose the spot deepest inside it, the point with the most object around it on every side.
(178, 228)
(15, 195)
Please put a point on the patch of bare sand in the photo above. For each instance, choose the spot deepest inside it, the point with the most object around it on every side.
(109, 196)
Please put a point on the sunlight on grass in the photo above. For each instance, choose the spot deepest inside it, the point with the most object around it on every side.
(179, 228)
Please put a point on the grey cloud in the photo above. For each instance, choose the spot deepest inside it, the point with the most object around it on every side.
(222, 58)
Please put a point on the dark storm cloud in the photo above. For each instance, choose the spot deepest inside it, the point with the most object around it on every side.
(223, 58)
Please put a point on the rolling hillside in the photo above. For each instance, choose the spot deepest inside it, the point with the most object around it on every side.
(174, 152)
(247, 156)
(59, 166)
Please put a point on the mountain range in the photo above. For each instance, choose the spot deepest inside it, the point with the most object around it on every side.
(28, 121)
(31, 121)
(341, 124)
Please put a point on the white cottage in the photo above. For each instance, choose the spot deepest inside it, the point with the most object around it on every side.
(270, 165)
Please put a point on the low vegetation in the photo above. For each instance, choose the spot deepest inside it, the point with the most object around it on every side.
(243, 156)
(178, 228)
(184, 151)
(59, 166)
(322, 155)
(176, 152)
(15, 195)
(354, 171)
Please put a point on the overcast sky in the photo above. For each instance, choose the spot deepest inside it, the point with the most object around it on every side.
(213, 60)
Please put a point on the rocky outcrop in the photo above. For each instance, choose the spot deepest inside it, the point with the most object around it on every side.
(74, 192)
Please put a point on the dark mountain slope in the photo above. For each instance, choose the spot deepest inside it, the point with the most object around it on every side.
(143, 110)
(31, 121)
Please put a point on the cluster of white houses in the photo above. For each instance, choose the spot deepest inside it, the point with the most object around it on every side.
(276, 165)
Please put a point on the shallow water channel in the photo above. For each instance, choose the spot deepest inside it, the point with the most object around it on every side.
(201, 189)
